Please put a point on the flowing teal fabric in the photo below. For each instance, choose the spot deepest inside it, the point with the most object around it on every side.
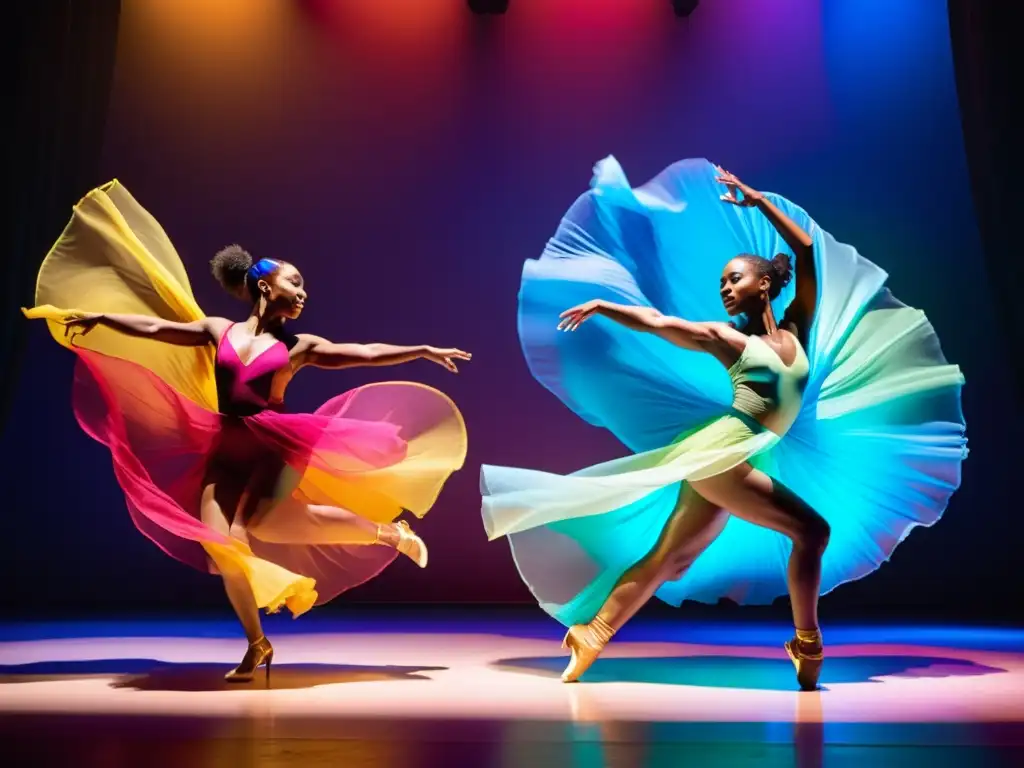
(876, 449)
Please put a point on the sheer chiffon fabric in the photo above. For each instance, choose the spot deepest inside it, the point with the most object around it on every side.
(876, 448)
(375, 451)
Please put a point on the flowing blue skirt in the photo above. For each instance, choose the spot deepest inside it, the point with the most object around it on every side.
(876, 449)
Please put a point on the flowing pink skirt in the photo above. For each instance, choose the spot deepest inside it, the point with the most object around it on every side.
(375, 451)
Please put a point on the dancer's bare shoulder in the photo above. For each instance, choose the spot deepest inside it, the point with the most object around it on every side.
(216, 327)
(725, 344)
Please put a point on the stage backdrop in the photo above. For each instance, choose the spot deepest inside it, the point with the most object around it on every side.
(409, 156)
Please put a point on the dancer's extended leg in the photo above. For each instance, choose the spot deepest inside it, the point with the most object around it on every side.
(692, 526)
(292, 521)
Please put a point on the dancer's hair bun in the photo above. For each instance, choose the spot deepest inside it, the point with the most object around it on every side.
(230, 266)
(783, 268)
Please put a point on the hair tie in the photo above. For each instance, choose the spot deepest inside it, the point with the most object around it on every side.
(261, 269)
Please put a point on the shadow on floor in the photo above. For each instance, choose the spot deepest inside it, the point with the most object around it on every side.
(152, 675)
(749, 673)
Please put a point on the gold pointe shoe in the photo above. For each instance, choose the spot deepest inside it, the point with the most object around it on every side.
(807, 663)
(585, 641)
(411, 545)
(259, 654)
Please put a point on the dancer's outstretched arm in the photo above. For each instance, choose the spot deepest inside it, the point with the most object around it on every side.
(713, 338)
(801, 311)
(321, 353)
(194, 334)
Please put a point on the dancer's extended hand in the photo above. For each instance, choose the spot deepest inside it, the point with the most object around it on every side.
(750, 195)
(574, 317)
(447, 357)
(79, 324)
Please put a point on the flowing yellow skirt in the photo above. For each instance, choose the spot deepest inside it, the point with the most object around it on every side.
(376, 451)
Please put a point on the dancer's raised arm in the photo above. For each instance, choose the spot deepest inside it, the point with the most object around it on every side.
(801, 311)
(321, 353)
(699, 337)
(194, 334)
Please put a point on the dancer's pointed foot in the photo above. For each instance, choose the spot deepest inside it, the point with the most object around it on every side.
(401, 537)
(807, 654)
(586, 642)
(411, 545)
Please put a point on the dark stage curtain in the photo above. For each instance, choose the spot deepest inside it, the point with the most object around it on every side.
(57, 107)
(982, 32)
